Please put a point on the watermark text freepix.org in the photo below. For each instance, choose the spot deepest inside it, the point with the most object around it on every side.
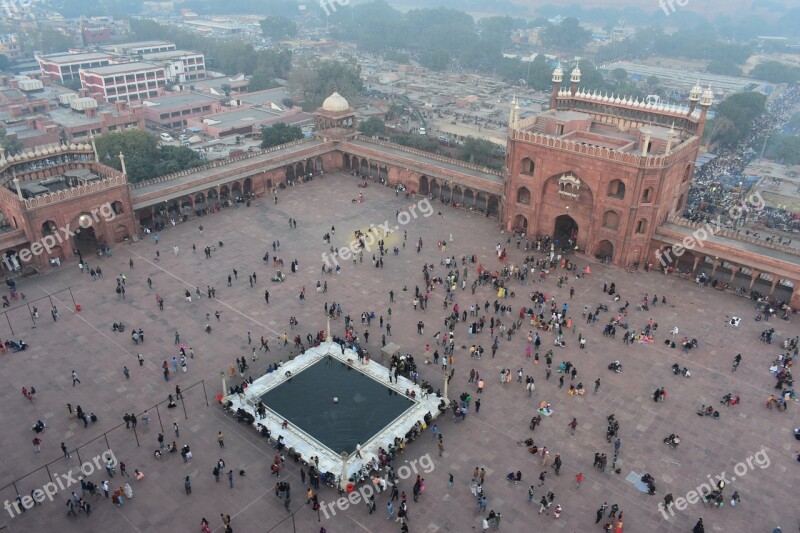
(329, 6)
(668, 6)
(60, 235)
(364, 493)
(372, 235)
(759, 459)
(754, 202)
(62, 482)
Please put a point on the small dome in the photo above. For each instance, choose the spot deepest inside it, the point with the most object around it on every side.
(64, 148)
(11, 159)
(335, 102)
(52, 150)
(37, 153)
(30, 155)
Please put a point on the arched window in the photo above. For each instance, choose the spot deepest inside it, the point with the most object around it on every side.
(611, 220)
(647, 196)
(527, 166)
(616, 189)
(523, 196)
(687, 174)
(641, 227)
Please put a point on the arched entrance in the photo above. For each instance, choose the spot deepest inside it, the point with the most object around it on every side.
(299, 170)
(236, 190)
(435, 188)
(289, 173)
(424, 186)
(480, 202)
(458, 195)
(520, 223)
(493, 207)
(318, 165)
(85, 238)
(446, 192)
(346, 161)
(248, 185)
(363, 168)
(383, 174)
(469, 198)
(565, 230)
(605, 250)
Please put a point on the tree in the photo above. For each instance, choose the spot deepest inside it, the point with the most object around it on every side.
(619, 74)
(261, 81)
(725, 67)
(420, 142)
(775, 72)
(278, 134)
(734, 117)
(11, 143)
(144, 159)
(569, 35)
(480, 152)
(319, 79)
(278, 28)
(372, 127)
(4, 62)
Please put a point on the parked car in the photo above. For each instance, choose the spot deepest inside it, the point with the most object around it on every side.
(166, 137)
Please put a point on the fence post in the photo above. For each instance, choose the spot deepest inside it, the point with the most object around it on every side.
(160, 423)
(183, 404)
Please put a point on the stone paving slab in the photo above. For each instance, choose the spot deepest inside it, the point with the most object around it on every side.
(84, 341)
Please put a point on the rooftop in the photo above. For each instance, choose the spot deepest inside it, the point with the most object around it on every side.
(178, 100)
(242, 117)
(275, 95)
(138, 44)
(122, 68)
(170, 54)
(76, 58)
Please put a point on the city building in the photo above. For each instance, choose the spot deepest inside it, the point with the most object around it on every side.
(125, 81)
(605, 175)
(181, 66)
(247, 121)
(174, 110)
(139, 48)
(11, 47)
(65, 67)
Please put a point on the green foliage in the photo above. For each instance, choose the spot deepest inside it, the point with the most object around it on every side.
(261, 81)
(481, 152)
(279, 134)
(4, 62)
(775, 72)
(784, 148)
(11, 143)
(569, 35)
(317, 80)
(436, 37)
(698, 42)
(48, 41)
(372, 127)
(278, 28)
(619, 74)
(397, 57)
(229, 57)
(144, 159)
(734, 117)
(724, 67)
(420, 142)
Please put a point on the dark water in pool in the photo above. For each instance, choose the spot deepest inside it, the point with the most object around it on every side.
(365, 406)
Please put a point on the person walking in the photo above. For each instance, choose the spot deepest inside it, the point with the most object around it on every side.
(220, 439)
(126, 372)
(230, 477)
(573, 426)
(75, 378)
(579, 480)
(187, 483)
(66, 452)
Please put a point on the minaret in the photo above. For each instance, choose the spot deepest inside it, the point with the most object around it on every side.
(648, 134)
(122, 163)
(94, 147)
(574, 80)
(558, 77)
(705, 103)
(16, 186)
(671, 134)
(511, 112)
(516, 113)
(694, 96)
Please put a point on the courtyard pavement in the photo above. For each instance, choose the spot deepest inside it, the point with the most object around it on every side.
(83, 341)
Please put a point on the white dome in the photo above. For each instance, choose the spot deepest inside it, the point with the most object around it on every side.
(335, 103)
